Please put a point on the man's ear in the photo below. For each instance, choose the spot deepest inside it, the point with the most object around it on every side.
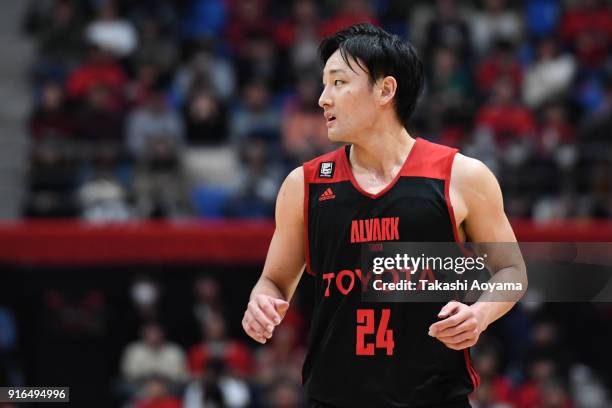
(387, 89)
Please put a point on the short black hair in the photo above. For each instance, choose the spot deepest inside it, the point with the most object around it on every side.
(383, 55)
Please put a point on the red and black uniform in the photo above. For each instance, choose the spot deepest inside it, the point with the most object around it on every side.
(377, 354)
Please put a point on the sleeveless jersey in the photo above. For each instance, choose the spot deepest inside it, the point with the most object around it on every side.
(352, 361)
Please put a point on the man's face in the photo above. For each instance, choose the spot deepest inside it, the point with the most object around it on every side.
(347, 99)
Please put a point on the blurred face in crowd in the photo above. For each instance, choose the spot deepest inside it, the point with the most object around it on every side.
(348, 99)
(207, 289)
(153, 335)
(52, 96)
(308, 91)
(256, 96)
(214, 327)
(285, 396)
(503, 92)
(305, 11)
(63, 12)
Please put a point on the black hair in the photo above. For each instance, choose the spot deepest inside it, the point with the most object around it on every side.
(382, 54)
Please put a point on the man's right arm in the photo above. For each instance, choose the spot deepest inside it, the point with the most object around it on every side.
(284, 265)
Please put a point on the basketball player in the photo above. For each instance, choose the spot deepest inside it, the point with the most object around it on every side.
(378, 355)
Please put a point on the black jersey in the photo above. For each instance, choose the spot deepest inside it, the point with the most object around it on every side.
(375, 354)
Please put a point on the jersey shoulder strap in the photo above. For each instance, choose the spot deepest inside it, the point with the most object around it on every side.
(327, 168)
(430, 160)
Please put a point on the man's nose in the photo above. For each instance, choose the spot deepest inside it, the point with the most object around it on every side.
(324, 99)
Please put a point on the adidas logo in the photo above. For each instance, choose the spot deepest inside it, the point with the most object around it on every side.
(327, 195)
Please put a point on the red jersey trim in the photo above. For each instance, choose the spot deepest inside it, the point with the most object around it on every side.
(447, 168)
(347, 168)
(312, 168)
(306, 240)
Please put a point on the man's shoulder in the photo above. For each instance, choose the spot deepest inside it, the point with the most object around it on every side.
(325, 167)
(469, 169)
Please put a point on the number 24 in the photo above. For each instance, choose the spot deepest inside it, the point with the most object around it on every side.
(384, 336)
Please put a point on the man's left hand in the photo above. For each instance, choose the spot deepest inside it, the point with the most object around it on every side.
(461, 325)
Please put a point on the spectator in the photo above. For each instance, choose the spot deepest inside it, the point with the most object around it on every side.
(248, 18)
(285, 354)
(142, 88)
(51, 119)
(159, 184)
(103, 200)
(495, 386)
(204, 68)
(258, 59)
(549, 76)
(152, 356)
(298, 36)
(449, 30)
(60, 40)
(208, 299)
(52, 180)
(304, 131)
(259, 180)
(495, 22)
(99, 69)
(217, 345)
(501, 64)
(349, 12)
(205, 118)
(154, 120)
(156, 395)
(285, 394)
(110, 32)
(156, 47)
(586, 28)
(255, 115)
(99, 119)
(508, 120)
(216, 388)
(556, 131)
(447, 105)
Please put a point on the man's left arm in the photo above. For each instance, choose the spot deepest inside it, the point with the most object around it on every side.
(485, 222)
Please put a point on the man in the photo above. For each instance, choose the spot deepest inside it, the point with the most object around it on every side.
(419, 192)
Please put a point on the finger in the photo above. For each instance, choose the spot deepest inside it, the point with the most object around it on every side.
(462, 345)
(281, 306)
(257, 335)
(467, 325)
(448, 322)
(260, 328)
(246, 325)
(459, 338)
(253, 332)
(449, 309)
(270, 310)
(261, 317)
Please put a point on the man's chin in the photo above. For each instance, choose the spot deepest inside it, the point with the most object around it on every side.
(335, 136)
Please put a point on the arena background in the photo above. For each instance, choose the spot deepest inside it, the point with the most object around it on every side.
(143, 142)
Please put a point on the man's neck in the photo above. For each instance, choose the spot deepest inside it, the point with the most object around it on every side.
(382, 153)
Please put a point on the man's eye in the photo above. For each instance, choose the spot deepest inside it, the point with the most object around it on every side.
(338, 81)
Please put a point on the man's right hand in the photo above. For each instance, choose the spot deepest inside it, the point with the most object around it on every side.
(263, 313)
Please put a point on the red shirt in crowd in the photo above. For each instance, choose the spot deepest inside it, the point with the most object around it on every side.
(236, 356)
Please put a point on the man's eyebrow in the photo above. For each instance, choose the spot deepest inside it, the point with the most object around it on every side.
(334, 71)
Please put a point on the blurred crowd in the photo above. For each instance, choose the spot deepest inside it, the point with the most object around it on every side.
(207, 365)
(171, 109)
(149, 343)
